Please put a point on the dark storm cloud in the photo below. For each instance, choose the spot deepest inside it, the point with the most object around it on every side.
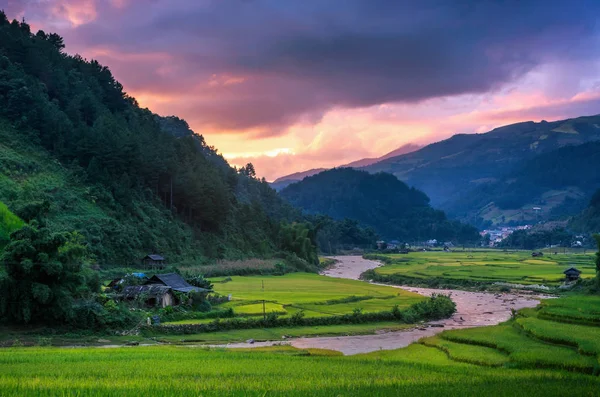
(299, 59)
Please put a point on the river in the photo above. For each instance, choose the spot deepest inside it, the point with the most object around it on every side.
(473, 309)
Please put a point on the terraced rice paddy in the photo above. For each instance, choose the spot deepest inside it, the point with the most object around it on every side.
(553, 350)
(530, 341)
(315, 295)
(488, 266)
(513, 359)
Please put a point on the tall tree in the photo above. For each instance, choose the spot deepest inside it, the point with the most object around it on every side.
(45, 273)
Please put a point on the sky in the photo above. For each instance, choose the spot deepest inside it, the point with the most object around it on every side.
(295, 85)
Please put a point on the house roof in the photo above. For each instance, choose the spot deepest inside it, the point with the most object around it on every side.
(151, 290)
(154, 257)
(175, 281)
(572, 270)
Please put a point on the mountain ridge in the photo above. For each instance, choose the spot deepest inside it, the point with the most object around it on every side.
(286, 180)
(380, 201)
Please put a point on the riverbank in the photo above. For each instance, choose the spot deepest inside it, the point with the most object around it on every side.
(474, 309)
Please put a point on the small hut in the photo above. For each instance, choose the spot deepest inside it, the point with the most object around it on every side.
(151, 295)
(537, 254)
(154, 261)
(572, 274)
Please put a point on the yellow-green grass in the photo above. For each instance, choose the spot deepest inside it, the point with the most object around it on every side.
(488, 266)
(366, 306)
(181, 371)
(271, 334)
(255, 309)
(522, 349)
(295, 288)
(315, 295)
(9, 222)
(474, 354)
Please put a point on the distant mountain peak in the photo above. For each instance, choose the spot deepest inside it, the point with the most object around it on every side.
(286, 180)
(404, 149)
(298, 176)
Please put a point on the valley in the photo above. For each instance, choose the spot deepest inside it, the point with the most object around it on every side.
(145, 255)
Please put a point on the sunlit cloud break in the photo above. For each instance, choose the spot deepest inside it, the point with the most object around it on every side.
(297, 85)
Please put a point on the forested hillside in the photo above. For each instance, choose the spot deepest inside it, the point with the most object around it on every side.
(588, 221)
(80, 154)
(380, 201)
(446, 170)
(559, 183)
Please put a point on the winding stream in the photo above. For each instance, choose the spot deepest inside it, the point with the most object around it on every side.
(473, 309)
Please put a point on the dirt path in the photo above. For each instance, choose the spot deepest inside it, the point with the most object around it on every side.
(474, 309)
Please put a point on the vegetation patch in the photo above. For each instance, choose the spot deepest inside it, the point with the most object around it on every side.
(9, 223)
(476, 268)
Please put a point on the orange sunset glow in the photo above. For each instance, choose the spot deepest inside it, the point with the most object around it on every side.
(280, 88)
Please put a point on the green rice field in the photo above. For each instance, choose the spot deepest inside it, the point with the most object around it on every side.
(552, 350)
(487, 266)
(523, 357)
(277, 333)
(315, 295)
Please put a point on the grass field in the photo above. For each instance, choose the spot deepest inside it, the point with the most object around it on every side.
(487, 266)
(317, 296)
(181, 371)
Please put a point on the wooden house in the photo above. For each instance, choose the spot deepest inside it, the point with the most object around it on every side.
(154, 261)
(150, 295)
(572, 274)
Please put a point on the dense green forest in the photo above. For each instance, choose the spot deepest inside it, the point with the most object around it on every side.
(80, 153)
(588, 221)
(380, 201)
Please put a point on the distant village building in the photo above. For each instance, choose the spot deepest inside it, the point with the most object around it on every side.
(572, 274)
(154, 261)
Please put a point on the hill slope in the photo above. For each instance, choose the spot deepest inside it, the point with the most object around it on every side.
(380, 201)
(79, 153)
(445, 169)
(557, 183)
(588, 221)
